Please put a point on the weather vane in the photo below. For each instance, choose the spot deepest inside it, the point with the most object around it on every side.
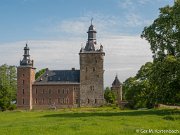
(91, 20)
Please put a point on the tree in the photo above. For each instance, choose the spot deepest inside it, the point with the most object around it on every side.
(40, 72)
(138, 89)
(164, 38)
(8, 81)
(109, 96)
(163, 35)
(166, 78)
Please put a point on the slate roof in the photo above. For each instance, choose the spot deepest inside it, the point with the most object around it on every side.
(116, 82)
(59, 77)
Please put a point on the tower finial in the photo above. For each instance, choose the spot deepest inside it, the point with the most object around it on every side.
(91, 20)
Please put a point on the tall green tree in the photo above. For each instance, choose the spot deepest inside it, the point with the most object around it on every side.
(164, 33)
(164, 38)
(109, 96)
(139, 90)
(8, 81)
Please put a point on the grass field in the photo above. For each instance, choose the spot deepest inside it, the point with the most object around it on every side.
(88, 121)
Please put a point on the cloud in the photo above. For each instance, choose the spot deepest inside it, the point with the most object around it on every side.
(124, 54)
(135, 20)
(132, 4)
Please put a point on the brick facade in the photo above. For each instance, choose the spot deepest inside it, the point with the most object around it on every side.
(63, 88)
(61, 96)
(25, 79)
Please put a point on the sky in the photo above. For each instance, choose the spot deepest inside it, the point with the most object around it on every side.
(55, 30)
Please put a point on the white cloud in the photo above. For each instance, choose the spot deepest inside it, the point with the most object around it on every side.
(132, 4)
(124, 54)
(135, 20)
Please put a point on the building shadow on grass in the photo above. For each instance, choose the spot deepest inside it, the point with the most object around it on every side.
(123, 113)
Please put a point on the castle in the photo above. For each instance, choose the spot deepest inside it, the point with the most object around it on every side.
(65, 88)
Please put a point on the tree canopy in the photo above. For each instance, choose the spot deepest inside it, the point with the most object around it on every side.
(8, 87)
(159, 81)
(109, 96)
(164, 33)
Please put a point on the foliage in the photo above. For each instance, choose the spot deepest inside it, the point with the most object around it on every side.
(40, 72)
(7, 86)
(87, 121)
(163, 35)
(166, 78)
(138, 89)
(109, 96)
(159, 82)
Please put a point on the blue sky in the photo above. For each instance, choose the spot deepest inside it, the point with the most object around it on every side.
(39, 19)
(58, 28)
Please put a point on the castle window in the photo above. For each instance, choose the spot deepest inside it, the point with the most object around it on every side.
(23, 101)
(88, 101)
(23, 82)
(96, 61)
(95, 101)
(86, 69)
(67, 100)
(23, 91)
(91, 88)
(49, 91)
(23, 75)
(67, 91)
(94, 69)
(36, 90)
(36, 101)
(63, 91)
(58, 91)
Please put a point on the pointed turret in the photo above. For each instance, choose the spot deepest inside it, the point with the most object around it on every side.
(90, 45)
(116, 82)
(26, 61)
(117, 89)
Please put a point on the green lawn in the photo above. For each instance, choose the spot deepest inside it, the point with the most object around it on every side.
(88, 121)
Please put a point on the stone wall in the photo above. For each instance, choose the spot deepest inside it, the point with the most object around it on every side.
(117, 90)
(91, 79)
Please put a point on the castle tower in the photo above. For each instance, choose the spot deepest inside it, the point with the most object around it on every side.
(91, 71)
(25, 79)
(117, 89)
